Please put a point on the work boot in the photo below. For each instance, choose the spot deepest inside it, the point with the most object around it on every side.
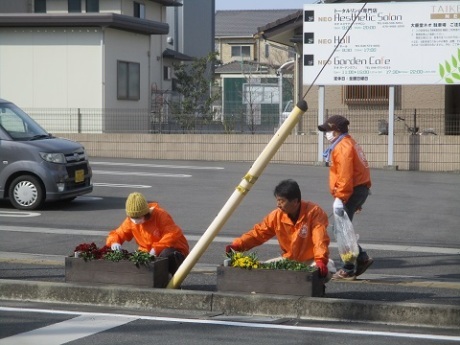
(362, 266)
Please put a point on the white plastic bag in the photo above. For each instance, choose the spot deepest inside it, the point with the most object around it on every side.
(347, 240)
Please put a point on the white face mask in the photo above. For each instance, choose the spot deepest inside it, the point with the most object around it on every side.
(330, 136)
(137, 220)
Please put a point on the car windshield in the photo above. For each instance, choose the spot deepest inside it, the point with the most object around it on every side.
(19, 125)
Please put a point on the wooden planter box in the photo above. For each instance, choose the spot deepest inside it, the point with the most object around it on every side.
(280, 282)
(155, 274)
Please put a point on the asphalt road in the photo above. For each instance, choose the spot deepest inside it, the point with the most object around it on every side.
(40, 325)
(409, 224)
(409, 208)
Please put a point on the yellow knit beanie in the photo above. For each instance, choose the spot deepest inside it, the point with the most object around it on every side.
(136, 205)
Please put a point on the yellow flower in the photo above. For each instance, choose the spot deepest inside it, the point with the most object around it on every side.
(348, 257)
(244, 260)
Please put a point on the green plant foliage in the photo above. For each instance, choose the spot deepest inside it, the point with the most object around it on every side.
(450, 71)
(287, 264)
(141, 258)
(194, 81)
(117, 255)
(89, 251)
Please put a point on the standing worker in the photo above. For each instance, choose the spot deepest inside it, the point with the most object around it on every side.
(300, 227)
(153, 229)
(349, 183)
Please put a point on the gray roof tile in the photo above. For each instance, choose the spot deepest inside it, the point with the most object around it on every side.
(244, 23)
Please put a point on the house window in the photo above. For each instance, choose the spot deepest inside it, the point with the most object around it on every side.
(365, 94)
(92, 6)
(74, 6)
(166, 73)
(40, 6)
(139, 10)
(241, 51)
(128, 80)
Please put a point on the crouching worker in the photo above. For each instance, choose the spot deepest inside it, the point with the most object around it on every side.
(153, 229)
(300, 227)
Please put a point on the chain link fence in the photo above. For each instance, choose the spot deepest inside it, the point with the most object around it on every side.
(86, 120)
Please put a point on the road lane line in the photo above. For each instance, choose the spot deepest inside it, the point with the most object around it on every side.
(83, 325)
(226, 239)
(119, 185)
(158, 166)
(19, 214)
(244, 324)
(130, 173)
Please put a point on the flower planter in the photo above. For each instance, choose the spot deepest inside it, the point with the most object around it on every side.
(155, 274)
(280, 282)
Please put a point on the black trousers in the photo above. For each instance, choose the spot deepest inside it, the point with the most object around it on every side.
(175, 258)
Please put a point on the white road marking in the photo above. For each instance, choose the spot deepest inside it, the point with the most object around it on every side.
(157, 166)
(118, 185)
(130, 173)
(63, 332)
(88, 198)
(125, 319)
(225, 239)
(19, 214)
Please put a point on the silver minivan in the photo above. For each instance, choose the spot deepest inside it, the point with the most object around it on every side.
(35, 166)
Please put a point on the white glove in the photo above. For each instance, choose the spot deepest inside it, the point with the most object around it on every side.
(338, 207)
(152, 252)
(116, 246)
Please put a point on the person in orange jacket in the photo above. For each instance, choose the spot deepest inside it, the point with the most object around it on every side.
(300, 227)
(153, 229)
(349, 183)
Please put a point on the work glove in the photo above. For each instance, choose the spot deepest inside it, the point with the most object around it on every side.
(153, 252)
(230, 247)
(322, 268)
(338, 207)
(115, 246)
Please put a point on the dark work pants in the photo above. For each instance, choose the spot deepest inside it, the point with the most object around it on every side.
(356, 201)
(175, 258)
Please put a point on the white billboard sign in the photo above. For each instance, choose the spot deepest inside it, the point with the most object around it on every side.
(394, 43)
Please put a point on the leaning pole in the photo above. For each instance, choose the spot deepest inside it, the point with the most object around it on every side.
(240, 192)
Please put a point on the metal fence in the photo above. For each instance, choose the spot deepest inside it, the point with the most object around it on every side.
(84, 120)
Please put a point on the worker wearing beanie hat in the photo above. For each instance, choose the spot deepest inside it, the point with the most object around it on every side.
(349, 183)
(136, 206)
(153, 229)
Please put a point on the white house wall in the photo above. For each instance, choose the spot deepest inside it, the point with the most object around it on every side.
(51, 67)
(130, 47)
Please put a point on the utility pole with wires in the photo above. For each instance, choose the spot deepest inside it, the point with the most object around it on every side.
(247, 182)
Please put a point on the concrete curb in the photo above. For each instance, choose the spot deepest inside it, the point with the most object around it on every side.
(281, 306)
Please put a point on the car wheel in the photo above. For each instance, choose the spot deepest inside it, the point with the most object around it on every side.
(26, 193)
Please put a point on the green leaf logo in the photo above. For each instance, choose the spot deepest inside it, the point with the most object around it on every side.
(450, 71)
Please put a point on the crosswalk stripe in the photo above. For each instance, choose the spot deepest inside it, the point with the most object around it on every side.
(69, 330)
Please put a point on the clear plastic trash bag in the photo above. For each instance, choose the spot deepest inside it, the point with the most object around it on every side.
(347, 240)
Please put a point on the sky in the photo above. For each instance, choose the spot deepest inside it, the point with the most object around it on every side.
(261, 4)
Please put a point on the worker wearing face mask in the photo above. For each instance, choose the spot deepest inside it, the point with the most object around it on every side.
(349, 182)
(153, 229)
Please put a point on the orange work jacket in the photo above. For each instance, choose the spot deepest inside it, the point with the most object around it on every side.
(157, 232)
(348, 168)
(305, 240)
